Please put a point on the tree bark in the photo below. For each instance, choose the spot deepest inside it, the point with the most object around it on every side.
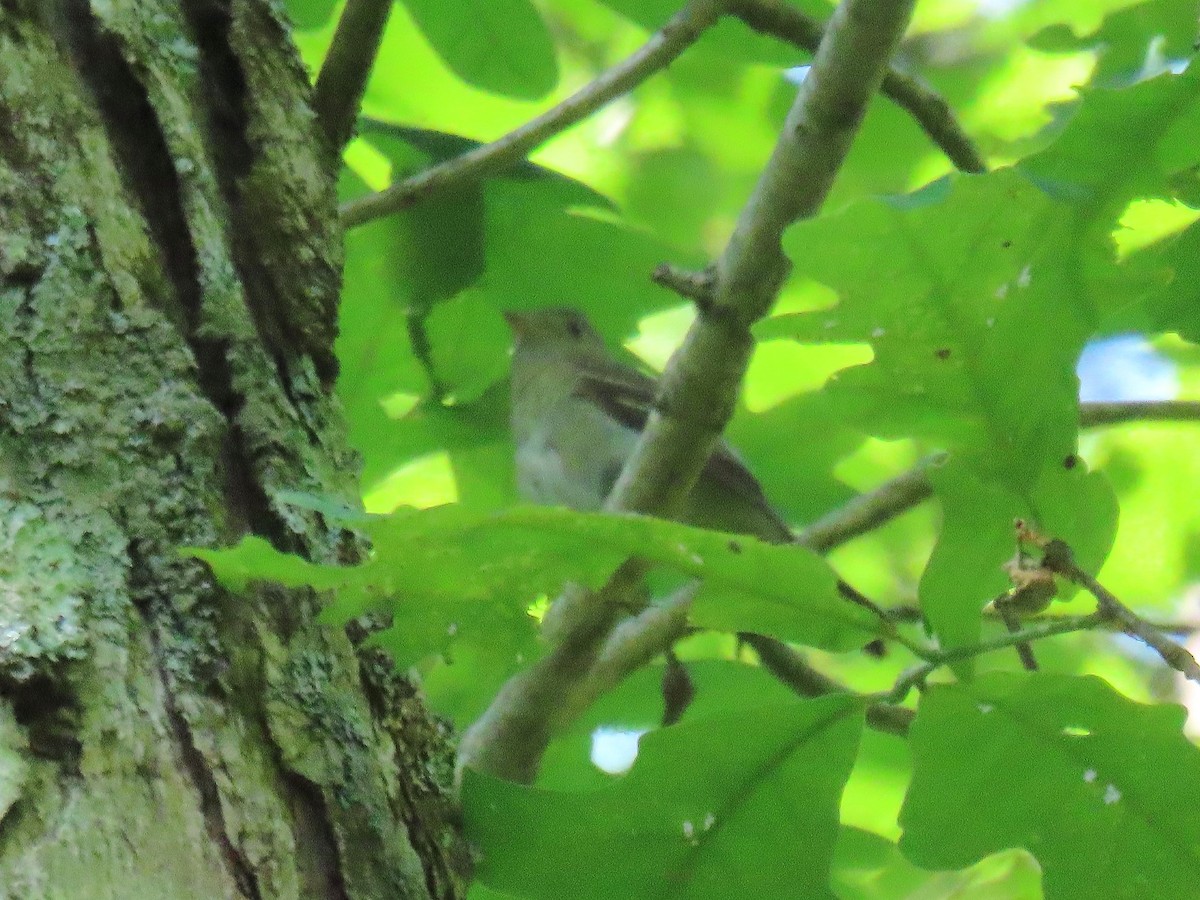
(169, 268)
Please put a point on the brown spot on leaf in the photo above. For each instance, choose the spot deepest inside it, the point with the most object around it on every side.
(876, 648)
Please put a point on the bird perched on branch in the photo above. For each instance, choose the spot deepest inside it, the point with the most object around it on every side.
(576, 416)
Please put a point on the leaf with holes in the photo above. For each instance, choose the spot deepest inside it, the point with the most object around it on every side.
(1104, 792)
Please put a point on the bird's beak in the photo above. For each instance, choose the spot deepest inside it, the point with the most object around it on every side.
(517, 322)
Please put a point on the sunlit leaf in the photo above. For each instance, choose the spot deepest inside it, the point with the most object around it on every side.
(1130, 39)
(498, 45)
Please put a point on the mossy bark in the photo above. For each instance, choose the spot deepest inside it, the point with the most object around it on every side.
(169, 268)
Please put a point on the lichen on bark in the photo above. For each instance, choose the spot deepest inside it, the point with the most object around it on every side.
(169, 263)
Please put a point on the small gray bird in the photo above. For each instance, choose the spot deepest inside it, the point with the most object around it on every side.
(576, 416)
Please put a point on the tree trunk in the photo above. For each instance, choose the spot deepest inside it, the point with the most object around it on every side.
(169, 269)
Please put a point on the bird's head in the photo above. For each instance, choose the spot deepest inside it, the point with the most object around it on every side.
(554, 330)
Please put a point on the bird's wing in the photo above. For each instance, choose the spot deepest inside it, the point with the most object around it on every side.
(627, 396)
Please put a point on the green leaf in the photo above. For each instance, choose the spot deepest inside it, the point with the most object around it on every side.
(254, 559)
(1104, 792)
(748, 585)
(451, 573)
(1147, 463)
(978, 293)
(740, 805)
(796, 473)
(964, 570)
(437, 246)
(972, 296)
(977, 538)
(1122, 143)
(498, 45)
(636, 704)
(1078, 507)
(1176, 306)
(468, 342)
(1126, 36)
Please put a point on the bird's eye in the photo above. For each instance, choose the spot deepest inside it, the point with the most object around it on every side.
(575, 328)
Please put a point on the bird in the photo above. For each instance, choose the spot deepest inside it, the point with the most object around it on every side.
(576, 414)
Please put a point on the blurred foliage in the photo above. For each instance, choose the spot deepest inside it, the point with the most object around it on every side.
(927, 312)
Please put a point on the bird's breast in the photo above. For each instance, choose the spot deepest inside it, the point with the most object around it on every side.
(570, 455)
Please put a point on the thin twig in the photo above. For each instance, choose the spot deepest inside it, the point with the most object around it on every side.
(422, 350)
(1061, 560)
(678, 690)
(1048, 628)
(910, 614)
(1024, 650)
(1092, 414)
(664, 46)
(343, 76)
(791, 668)
(1027, 635)
(869, 511)
(888, 717)
(935, 116)
(887, 625)
(877, 507)
(927, 107)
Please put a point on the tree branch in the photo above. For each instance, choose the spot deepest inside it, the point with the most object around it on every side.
(635, 642)
(869, 511)
(343, 76)
(683, 30)
(702, 378)
(791, 668)
(912, 615)
(1059, 559)
(927, 107)
(698, 389)
(508, 740)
